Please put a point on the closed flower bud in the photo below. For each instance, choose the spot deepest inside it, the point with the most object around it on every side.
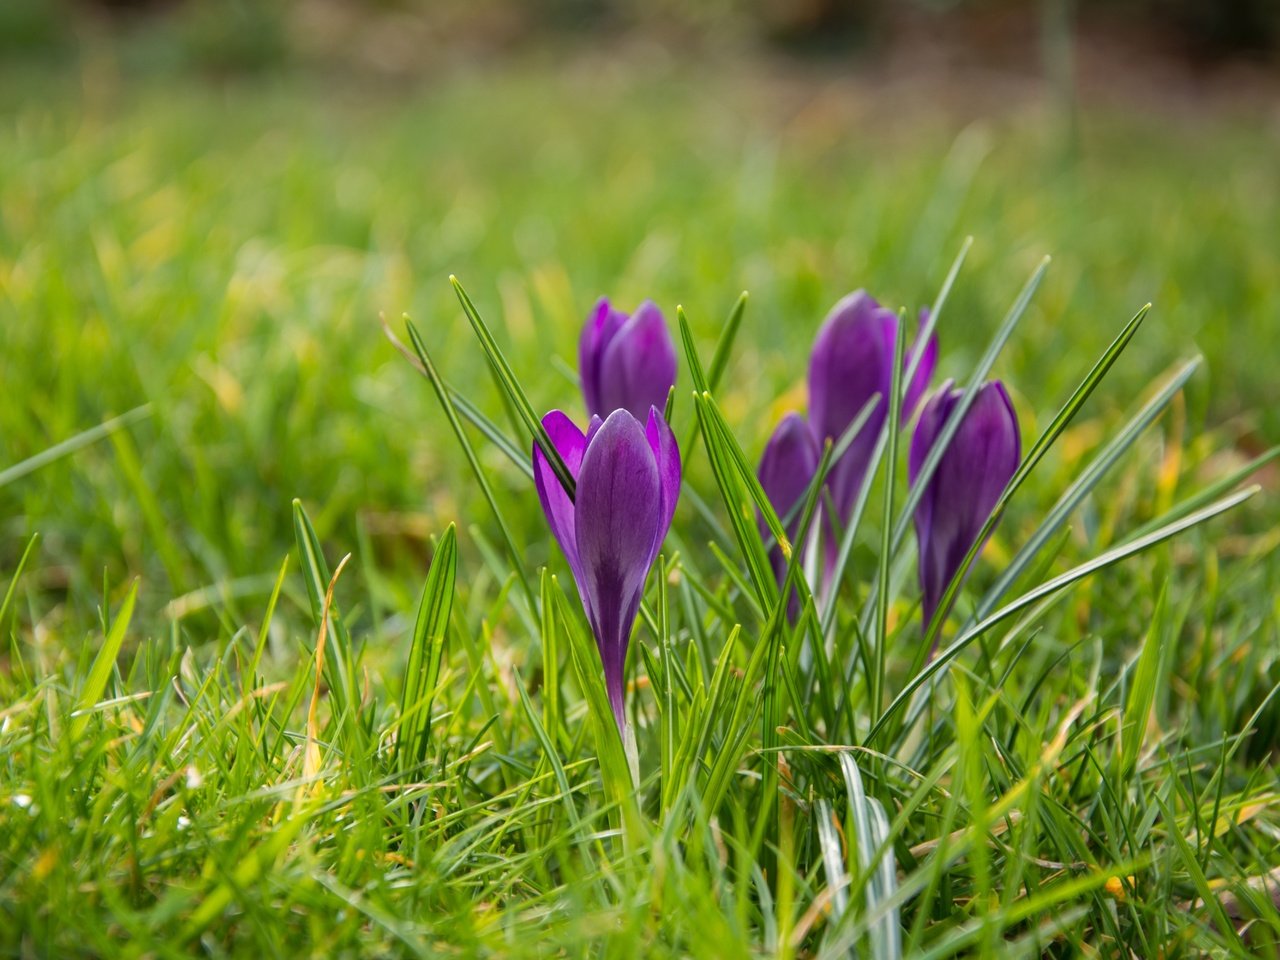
(626, 362)
(967, 484)
(851, 362)
(786, 469)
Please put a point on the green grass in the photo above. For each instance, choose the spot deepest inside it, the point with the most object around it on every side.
(211, 262)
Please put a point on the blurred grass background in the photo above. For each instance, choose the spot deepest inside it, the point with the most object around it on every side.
(205, 207)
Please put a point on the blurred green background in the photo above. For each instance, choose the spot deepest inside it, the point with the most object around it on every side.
(205, 207)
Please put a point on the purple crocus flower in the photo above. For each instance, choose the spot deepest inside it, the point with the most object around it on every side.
(852, 361)
(978, 464)
(628, 479)
(786, 469)
(626, 362)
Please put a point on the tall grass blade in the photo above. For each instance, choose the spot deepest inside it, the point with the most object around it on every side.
(315, 574)
(95, 681)
(426, 654)
(514, 392)
(1142, 692)
(482, 479)
(1032, 459)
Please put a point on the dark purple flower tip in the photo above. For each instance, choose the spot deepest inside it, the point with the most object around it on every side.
(628, 481)
(786, 469)
(851, 362)
(626, 362)
(977, 466)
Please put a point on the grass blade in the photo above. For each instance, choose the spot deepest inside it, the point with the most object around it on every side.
(1142, 693)
(72, 444)
(446, 403)
(95, 682)
(315, 574)
(511, 387)
(426, 654)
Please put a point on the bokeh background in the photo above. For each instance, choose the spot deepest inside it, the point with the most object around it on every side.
(206, 206)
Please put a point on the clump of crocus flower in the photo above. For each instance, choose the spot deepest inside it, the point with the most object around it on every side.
(851, 362)
(968, 482)
(627, 362)
(627, 477)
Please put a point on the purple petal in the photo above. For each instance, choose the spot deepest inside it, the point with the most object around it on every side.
(666, 455)
(971, 476)
(601, 327)
(619, 511)
(638, 366)
(932, 419)
(595, 424)
(852, 361)
(559, 509)
(787, 467)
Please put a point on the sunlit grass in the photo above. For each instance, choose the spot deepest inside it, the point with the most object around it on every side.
(212, 263)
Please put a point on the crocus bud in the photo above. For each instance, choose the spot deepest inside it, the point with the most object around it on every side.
(851, 362)
(978, 464)
(786, 469)
(626, 362)
(627, 476)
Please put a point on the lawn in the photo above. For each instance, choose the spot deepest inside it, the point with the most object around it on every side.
(203, 417)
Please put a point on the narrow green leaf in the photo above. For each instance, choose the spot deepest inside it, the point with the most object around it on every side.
(446, 404)
(316, 575)
(511, 387)
(877, 677)
(552, 712)
(426, 654)
(72, 444)
(615, 771)
(469, 411)
(1142, 692)
(1029, 462)
(1209, 493)
(264, 631)
(729, 444)
(95, 682)
(738, 505)
(16, 576)
(724, 345)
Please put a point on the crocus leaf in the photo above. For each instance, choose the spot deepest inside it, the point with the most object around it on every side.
(943, 660)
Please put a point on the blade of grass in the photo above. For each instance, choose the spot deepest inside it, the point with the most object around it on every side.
(877, 677)
(426, 654)
(315, 574)
(72, 444)
(95, 681)
(1142, 693)
(446, 403)
(469, 411)
(511, 387)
